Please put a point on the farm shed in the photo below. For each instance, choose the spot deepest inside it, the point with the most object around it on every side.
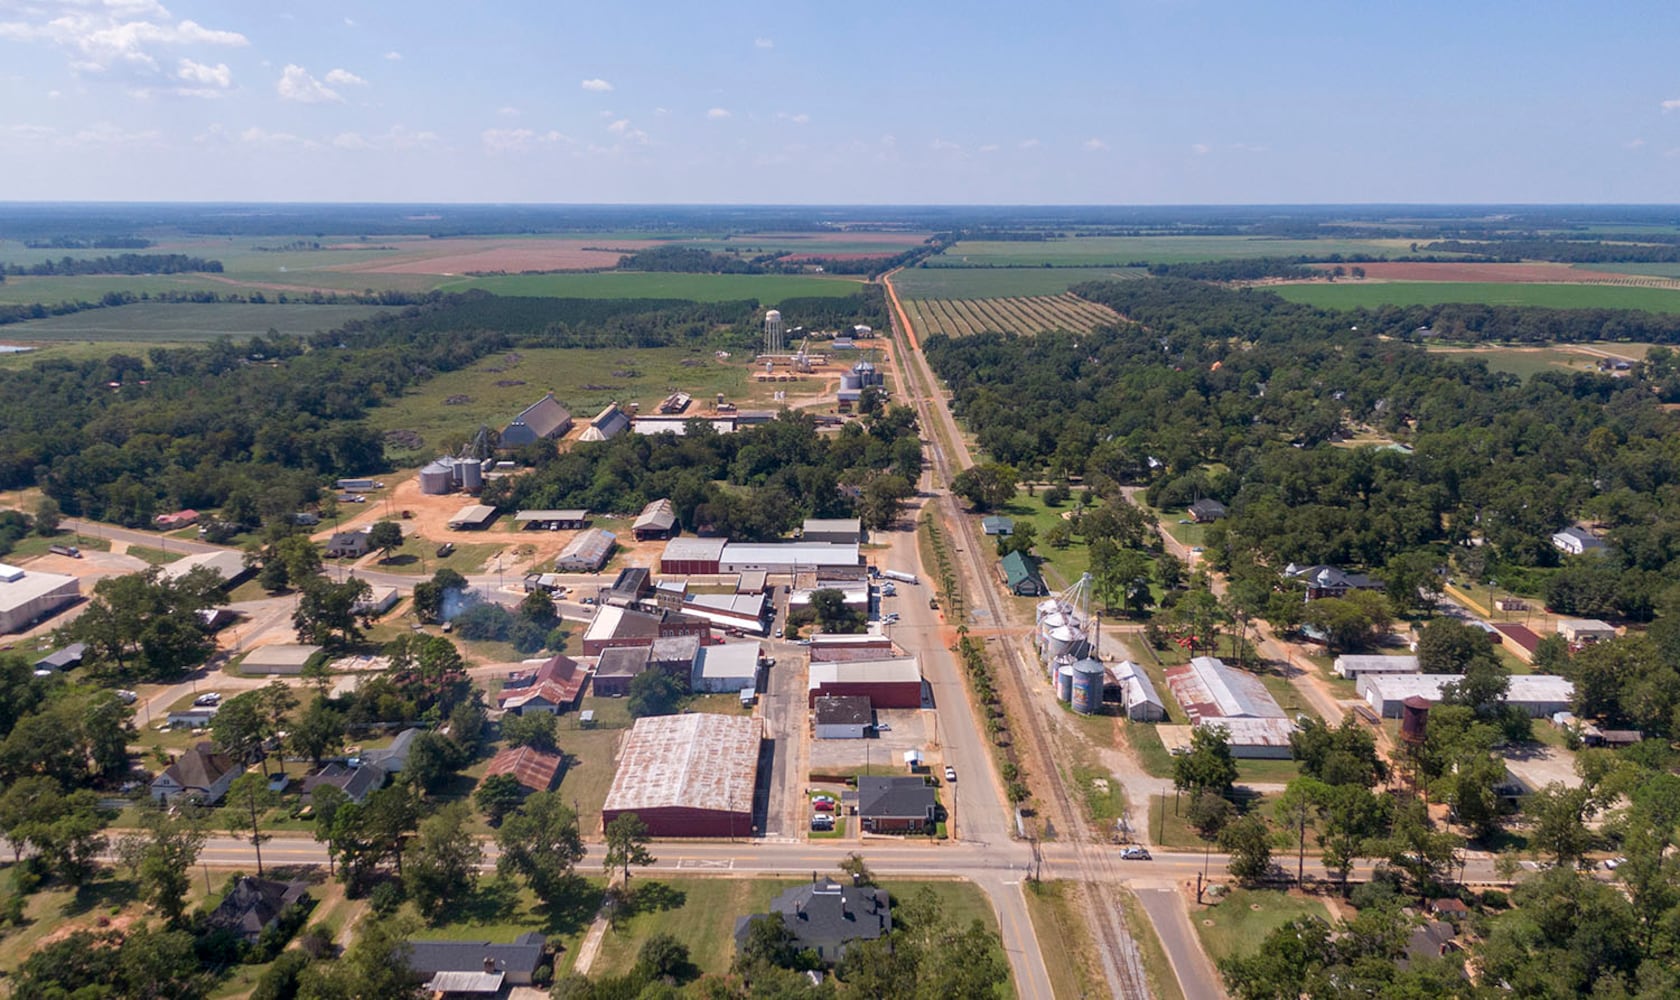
(552, 520)
(281, 658)
(586, 553)
(1136, 695)
(687, 775)
(473, 517)
(692, 556)
(544, 419)
(608, 424)
(535, 769)
(657, 520)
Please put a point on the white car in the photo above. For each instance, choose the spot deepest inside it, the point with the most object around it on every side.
(950, 773)
(1135, 854)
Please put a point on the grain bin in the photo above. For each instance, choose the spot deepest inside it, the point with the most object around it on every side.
(1060, 640)
(438, 478)
(1064, 682)
(851, 380)
(472, 476)
(1088, 678)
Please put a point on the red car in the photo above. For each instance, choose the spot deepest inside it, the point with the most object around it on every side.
(822, 805)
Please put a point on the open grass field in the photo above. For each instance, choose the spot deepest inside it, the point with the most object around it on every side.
(1356, 295)
(767, 288)
(1523, 362)
(1000, 282)
(1036, 314)
(1238, 925)
(1065, 939)
(171, 322)
(494, 389)
(1654, 269)
(1120, 251)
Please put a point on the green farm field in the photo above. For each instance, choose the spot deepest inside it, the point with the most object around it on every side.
(1120, 251)
(584, 379)
(1030, 314)
(1653, 269)
(999, 282)
(1354, 295)
(766, 288)
(176, 322)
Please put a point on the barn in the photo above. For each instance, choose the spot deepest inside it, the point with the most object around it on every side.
(688, 775)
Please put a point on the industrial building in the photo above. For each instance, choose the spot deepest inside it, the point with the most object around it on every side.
(687, 775)
(542, 420)
(725, 669)
(1213, 694)
(283, 658)
(535, 769)
(657, 520)
(1582, 631)
(692, 556)
(834, 530)
(786, 557)
(1536, 694)
(887, 683)
(679, 425)
(1136, 695)
(1354, 667)
(472, 517)
(631, 585)
(741, 612)
(228, 565)
(617, 667)
(843, 717)
(608, 424)
(586, 553)
(27, 595)
(552, 520)
(614, 627)
(830, 647)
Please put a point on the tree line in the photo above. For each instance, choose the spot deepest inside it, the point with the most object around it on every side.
(122, 263)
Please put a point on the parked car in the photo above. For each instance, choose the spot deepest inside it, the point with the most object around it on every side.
(127, 697)
(822, 805)
(445, 549)
(208, 698)
(1135, 854)
(883, 727)
(778, 631)
(950, 773)
(821, 821)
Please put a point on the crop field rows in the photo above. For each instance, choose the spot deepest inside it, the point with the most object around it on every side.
(1031, 314)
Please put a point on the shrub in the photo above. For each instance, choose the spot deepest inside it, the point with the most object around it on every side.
(385, 898)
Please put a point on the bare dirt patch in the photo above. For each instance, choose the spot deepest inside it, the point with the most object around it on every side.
(1406, 270)
(465, 256)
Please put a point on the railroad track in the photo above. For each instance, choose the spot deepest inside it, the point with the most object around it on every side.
(1122, 961)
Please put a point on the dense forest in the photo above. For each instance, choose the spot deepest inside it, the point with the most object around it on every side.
(755, 484)
(123, 263)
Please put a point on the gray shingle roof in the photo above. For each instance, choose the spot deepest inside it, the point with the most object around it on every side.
(825, 916)
(892, 798)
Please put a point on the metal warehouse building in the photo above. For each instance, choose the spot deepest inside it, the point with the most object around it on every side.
(28, 595)
(1354, 667)
(586, 553)
(225, 563)
(1537, 694)
(687, 775)
(786, 557)
(887, 683)
(692, 556)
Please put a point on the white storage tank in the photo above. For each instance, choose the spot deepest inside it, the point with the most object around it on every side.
(438, 478)
(472, 476)
(1061, 640)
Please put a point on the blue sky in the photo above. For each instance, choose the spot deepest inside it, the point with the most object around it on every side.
(1144, 102)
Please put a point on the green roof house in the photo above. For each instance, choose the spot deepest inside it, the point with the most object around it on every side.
(1021, 577)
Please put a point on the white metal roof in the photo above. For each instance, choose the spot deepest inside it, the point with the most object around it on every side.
(225, 563)
(29, 586)
(1347, 666)
(731, 659)
(1207, 687)
(698, 549)
(1524, 688)
(897, 670)
(473, 513)
(809, 554)
(281, 655)
(551, 515)
(1138, 688)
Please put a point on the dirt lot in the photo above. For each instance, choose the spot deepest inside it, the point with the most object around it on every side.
(1403, 270)
(462, 256)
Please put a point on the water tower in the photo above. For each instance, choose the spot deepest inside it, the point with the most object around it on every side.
(773, 335)
(1414, 721)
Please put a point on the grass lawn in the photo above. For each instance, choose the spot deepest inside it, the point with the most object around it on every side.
(1064, 939)
(35, 545)
(1105, 799)
(699, 912)
(768, 289)
(1354, 295)
(1238, 925)
(419, 557)
(1522, 362)
(1163, 983)
(157, 557)
(502, 909)
(589, 773)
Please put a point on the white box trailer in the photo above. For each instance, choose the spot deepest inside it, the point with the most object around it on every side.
(900, 576)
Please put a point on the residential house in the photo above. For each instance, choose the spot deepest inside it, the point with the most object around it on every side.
(1021, 577)
(253, 905)
(355, 782)
(393, 758)
(1575, 540)
(203, 772)
(1206, 510)
(513, 964)
(896, 805)
(347, 545)
(826, 916)
(1328, 581)
(552, 687)
(997, 525)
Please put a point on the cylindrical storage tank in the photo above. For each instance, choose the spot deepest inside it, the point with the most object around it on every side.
(1088, 678)
(437, 479)
(1053, 620)
(1064, 682)
(851, 380)
(1047, 608)
(472, 476)
(1414, 720)
(1060, 640)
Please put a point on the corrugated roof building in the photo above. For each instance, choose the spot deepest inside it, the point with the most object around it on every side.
(1206, 687)
(887, 683)
(687, 775)
(586, 553)
(545, 418)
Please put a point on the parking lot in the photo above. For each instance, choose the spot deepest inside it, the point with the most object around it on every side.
(909, 731)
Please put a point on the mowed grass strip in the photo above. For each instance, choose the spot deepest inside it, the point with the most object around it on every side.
(1064, 938)
(769, 289)
(1238, 925)
(1357, 295)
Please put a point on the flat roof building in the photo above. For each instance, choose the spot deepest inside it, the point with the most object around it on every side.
(687, 775)
(726, 668)
(613, 626)
(743, 612)
(1536, 694)
(785, 557)
(1580, 631)
(617, 667)
(692, 556)
(842, 717)
(228, 565)
(834, 530)
(28, 595)
(1353, 667)
(281, 658)
(887, 683)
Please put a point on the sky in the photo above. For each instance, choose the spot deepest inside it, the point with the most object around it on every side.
(926, 102)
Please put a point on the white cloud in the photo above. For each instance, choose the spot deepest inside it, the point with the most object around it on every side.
(1028, 143)
(1671, 105)
(204, 75)
(518, 140)
(629, 133)
(256, 136)
(990, 147)
(717, 113)
(764, 43)
(1094, 144)
(344, 78)
(943, 146)
(102, 36)
(99, 134)
(349, 22)
(393, 56)
(800, 118)
(1635, 144)
(297, 85)
(508, 111)
(1201, 148)
(597, 85)
(396, 137)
